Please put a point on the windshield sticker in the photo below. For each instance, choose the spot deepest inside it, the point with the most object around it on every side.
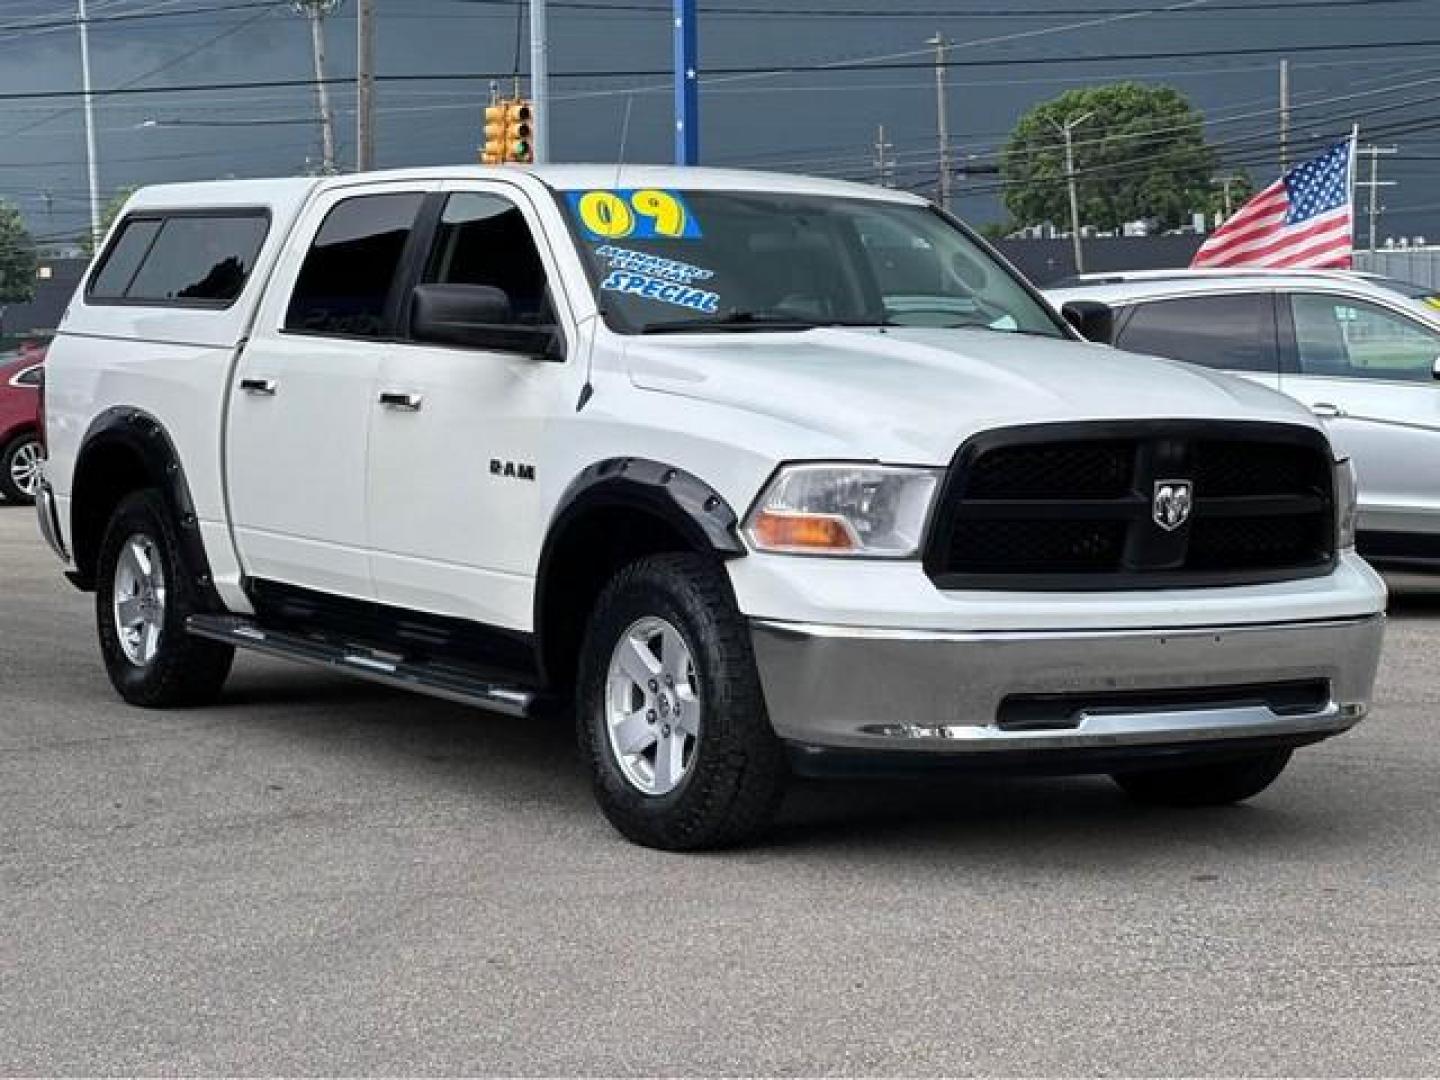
(664, 290)
(633, 214)
(625, 259)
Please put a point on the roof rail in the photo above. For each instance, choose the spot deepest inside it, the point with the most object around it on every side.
(1121, 277)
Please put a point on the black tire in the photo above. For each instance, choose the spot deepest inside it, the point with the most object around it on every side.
(1213, 784)
(184, 670)
(9, 489)
(736, 773)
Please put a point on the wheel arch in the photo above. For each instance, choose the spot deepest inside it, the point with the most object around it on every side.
(614, 512)
(124, 450)
(19, 431)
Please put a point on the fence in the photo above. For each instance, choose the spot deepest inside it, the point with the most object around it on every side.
(1420, 265)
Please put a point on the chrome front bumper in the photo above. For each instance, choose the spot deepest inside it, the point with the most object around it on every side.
(858, 689)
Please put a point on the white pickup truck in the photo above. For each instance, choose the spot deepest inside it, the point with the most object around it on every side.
(769, 475)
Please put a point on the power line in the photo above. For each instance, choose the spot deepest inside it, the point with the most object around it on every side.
(129, 86)
(1250, 150)
(1308, 6)
(97, 21)
(1210, 120)
(805, 157)
(775, 69)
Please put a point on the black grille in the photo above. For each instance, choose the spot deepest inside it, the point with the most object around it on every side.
(1075, 506)
(1238, 468)
(1019, 545)
(1097, 470)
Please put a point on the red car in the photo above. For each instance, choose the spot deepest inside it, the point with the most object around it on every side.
(21, 372)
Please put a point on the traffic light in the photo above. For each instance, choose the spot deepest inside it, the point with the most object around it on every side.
(495, 138)
(508, 133)
(518, 142)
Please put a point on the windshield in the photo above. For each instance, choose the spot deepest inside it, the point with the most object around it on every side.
(1413, 291)
(673, 261)
(1404, 288)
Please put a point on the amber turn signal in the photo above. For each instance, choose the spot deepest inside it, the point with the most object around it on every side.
(778, 530)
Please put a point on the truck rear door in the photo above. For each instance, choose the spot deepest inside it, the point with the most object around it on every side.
(302, 400)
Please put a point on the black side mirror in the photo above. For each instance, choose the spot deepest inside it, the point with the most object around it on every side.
(477, 317)
(1094, 320)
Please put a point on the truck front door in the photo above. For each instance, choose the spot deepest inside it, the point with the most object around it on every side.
(455, 491)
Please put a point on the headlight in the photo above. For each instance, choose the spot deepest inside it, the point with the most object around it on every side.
(1347, 493)
(867, 510)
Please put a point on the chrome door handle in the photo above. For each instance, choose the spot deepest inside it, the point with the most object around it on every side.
(263, 387)
(403, 402)
(1327, 410)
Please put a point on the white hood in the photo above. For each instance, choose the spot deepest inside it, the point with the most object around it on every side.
(914, 395)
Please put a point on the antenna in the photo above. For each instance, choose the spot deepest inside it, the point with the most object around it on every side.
(624, 135)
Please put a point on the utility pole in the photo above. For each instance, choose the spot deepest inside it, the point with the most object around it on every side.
(1065, 130)
(315, 11)
(1284, 117)
(1225, 182)
(942, 127)
(92, 158)
(539, 83)
(883, 175)
(1375, 183)
(365, 85)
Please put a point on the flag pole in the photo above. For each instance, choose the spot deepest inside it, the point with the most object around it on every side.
(1354, 151)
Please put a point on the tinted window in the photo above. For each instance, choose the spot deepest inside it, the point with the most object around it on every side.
(344, 286)
(1353, 339)
(1235, 333)
(30, 377)
(200, 259)
(123, 259)
(483, 240)
(181, 259)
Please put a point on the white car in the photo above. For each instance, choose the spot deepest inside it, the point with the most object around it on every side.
(764, 474)
(1361, 351)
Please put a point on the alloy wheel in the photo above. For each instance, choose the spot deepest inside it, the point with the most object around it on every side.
(652, 706)
(139, 599)
(25, 468)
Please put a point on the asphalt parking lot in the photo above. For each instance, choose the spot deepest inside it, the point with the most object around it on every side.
(317, 876)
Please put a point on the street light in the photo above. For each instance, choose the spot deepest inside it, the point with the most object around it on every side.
(315, 11)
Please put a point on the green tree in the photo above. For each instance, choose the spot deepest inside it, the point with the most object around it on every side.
(17, 258)
(1140, 152)
(107, 217)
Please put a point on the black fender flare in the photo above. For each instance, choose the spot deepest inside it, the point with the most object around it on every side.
(138, 432)
(697, 510)
(694, 509)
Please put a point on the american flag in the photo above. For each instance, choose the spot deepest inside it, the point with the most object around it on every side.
(1304, 219)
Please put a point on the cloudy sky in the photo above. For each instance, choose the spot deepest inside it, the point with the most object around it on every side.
(1009, 53)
